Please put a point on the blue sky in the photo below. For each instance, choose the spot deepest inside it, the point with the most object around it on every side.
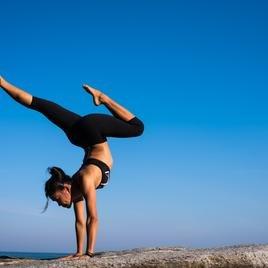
(194, 71)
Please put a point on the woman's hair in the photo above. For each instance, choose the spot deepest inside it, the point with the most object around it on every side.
(55, 182)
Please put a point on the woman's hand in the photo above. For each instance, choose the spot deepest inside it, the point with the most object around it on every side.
(77, 256)
(90, 254)
(73, 256)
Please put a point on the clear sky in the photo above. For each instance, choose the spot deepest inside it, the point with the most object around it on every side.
(195, 72)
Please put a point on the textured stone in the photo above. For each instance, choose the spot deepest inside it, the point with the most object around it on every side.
(168, 257)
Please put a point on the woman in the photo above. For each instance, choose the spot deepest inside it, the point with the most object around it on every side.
(89, 132)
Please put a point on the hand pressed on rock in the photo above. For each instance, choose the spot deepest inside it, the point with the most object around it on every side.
(90, 254)
(73, 256)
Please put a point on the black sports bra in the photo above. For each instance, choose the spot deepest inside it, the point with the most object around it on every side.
(103, 167)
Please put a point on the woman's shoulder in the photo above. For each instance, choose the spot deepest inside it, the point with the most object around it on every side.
(86, 174)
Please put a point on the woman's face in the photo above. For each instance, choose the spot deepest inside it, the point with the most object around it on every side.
(63, 197)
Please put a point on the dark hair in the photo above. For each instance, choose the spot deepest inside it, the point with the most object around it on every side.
(55, 182)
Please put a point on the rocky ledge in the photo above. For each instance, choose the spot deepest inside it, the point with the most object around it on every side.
(232, 256)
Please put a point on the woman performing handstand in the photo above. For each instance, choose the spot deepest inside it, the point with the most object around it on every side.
(89, 132)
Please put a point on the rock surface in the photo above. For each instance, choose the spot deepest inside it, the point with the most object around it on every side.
(232, 256)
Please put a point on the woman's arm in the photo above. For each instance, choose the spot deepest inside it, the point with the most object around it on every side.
(80, 225)
(80, 228)
(89, 193)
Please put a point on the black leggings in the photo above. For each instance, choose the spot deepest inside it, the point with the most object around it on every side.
(90, 129)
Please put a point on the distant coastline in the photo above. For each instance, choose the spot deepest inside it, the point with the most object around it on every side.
(30, 255)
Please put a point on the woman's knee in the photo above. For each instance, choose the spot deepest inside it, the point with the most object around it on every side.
(139, 127)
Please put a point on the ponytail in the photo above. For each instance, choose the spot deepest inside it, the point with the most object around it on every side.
(55, 182)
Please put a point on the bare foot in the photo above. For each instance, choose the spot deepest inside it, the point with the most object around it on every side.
(96, 94)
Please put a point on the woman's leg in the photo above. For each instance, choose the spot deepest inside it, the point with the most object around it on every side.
(97, 127)
(123, 124)
(116, 109)
(58, 115)
(17, 94)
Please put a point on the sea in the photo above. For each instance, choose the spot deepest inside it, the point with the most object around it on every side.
(31, 255)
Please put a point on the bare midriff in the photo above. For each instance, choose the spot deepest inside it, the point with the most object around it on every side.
(100, 151)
